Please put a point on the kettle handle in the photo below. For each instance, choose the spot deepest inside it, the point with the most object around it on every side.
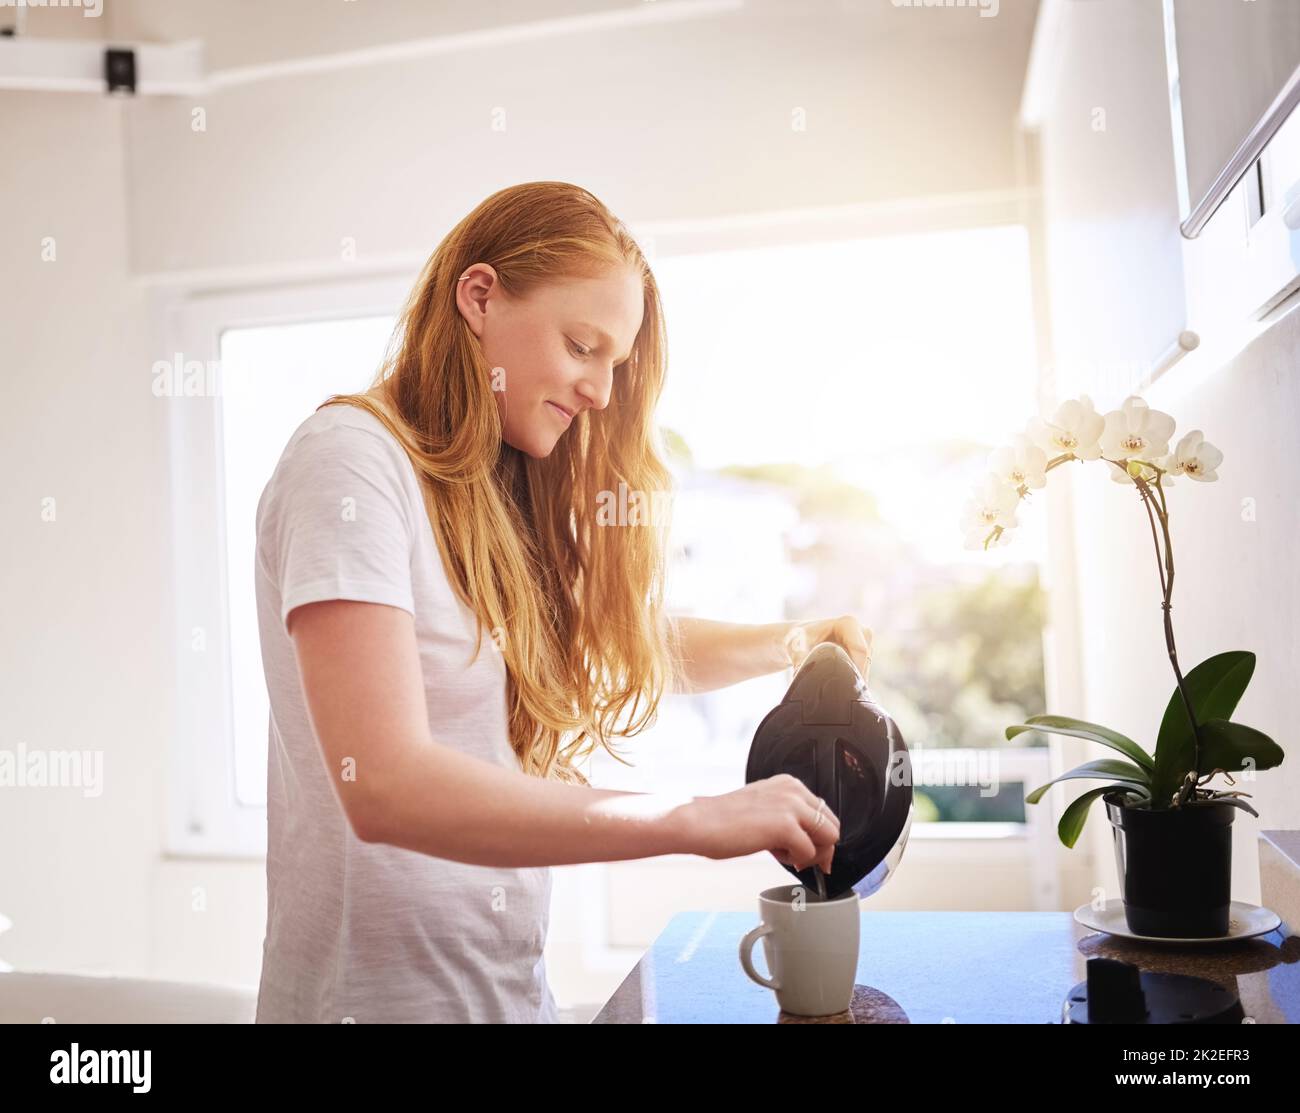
(747, 955)
(792, 670)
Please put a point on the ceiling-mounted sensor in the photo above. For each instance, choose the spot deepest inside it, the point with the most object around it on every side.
(119, 70)
(87, 66)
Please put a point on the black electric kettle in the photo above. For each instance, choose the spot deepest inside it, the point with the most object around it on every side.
(829, 733)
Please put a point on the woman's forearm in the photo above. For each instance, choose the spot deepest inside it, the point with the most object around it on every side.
(715, 654)
(449, 804)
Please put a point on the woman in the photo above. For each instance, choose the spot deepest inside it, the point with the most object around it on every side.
(422, 778)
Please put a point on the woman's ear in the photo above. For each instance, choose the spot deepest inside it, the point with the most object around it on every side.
(473, 289)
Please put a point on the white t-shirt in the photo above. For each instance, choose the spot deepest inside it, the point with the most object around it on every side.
(370, 931)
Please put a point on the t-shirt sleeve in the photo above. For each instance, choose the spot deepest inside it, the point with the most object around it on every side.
(337, 522)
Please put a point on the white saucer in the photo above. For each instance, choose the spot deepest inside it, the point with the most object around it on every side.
(1244, 921)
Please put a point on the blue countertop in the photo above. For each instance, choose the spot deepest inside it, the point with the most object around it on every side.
(939, 967)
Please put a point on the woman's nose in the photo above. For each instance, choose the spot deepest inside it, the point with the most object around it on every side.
(595, 389)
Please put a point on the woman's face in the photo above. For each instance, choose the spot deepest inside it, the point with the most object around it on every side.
(553, 354)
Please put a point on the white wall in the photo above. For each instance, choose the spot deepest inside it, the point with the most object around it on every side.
(1110, 207)
(666, 123)
(85, 646)
(671, 121)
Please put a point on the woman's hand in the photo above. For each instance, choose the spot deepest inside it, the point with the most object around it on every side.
(778, 814)
(845, 631)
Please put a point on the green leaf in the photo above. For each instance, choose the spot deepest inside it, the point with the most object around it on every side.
(1107, 768)
(1235, 801)
(1228, 746)
(1076, 815)
(1213, 687)
(1063, 724)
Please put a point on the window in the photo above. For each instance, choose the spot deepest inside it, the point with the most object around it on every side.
(271, 357)
(831, 404)
(273, 378)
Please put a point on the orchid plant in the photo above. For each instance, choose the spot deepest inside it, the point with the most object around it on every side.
(1196, 741)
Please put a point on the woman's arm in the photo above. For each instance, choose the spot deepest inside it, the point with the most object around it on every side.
(714, 654)
(361, 677)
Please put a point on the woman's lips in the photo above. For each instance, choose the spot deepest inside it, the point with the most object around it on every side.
(561, 411)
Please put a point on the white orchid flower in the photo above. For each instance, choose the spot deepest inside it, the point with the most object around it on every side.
(992, 504)
(1076, 428)
(1135, 431)
(1195, 458)
(1021, 464)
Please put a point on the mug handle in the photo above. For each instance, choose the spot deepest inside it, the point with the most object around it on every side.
(747, 955)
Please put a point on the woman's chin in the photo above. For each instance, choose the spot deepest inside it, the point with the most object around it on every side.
(538, 447)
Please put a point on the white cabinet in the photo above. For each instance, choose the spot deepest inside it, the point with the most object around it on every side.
(1126, 139)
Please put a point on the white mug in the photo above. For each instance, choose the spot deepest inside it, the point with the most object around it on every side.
(811, 947)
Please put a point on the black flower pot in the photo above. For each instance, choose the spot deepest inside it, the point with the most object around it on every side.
(1175, 865)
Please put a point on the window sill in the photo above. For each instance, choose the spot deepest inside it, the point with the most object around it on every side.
(968, 831)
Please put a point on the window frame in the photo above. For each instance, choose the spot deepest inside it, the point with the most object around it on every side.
(204, 817)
